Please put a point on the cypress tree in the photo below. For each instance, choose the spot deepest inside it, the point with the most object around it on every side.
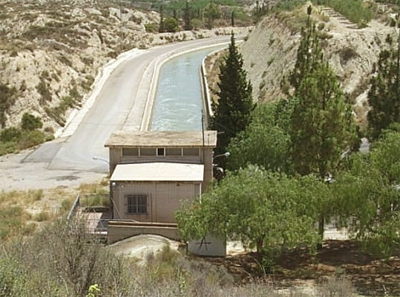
(161, 26)
(384, 95)
(232, 113)
(187, 17)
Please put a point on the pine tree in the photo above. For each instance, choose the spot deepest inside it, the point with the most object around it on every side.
(384, 95)
(232, 113)
(322, 126)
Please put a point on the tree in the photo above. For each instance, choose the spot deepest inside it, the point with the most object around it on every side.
(370, 196)
(161, 28)
(212, 12)
(266, 140)
(384, 94)
(322, 126)
(232, 113)
(187, 17)
(264, 210)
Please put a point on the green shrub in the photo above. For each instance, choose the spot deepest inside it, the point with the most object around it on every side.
(151, 27)
(8, 95)
(7, 148)
(30, 122)
(171, 25)
(11, 134)
(30, 138)
(356, 11)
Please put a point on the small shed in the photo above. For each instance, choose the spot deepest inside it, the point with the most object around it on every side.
(152, 192)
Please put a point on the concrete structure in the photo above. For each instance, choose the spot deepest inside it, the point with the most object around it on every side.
(119, 230)
(152, 172)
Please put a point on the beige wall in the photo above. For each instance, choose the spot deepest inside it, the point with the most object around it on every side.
(163, 199)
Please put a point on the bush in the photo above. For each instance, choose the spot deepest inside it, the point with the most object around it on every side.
(151, 27)
(44, 91)
(30, 139)
(171, 25)
(11, 134)
(30, 122)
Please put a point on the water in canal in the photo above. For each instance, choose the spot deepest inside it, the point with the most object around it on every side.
(178, 104)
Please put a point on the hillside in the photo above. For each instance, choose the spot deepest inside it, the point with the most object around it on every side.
(270, 53)
(51, 52)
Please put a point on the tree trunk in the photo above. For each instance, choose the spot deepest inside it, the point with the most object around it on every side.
(321, 228)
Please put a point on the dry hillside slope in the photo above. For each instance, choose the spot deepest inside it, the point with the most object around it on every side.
(270, 53)
(51, 52)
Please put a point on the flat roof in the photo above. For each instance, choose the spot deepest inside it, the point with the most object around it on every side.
(158, 171)
(127, 138)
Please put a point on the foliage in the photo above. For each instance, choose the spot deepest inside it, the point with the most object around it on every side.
(161, 28)
(384, 94)
(43, 89)
(30, 122)
(187, 17)
(266, 141)
(13, 139)
(151, 27)
(11, 134)
(356, 11)
(212, 12)
(369, 195)
(7, 98)
(232, 113)
(264, 210)
(322, 126)
(170, 25)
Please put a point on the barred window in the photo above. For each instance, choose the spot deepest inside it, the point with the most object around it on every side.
(137, 204)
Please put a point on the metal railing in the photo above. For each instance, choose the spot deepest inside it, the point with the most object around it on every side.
(74, 207)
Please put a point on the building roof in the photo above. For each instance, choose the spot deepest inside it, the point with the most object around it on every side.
(158, 171)
(126, 138)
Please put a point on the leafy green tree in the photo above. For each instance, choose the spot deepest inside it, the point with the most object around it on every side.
(232, 113)
(384, 94)
(369, 196)
(264, 210)
(30, 122)
(212, 12)
(187, 17)
(266, 140)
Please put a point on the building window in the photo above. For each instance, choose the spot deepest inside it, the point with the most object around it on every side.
(160, 151)
(137, 204)
(147, 151)
(130, 151)
(191, 151)
(174, 151)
